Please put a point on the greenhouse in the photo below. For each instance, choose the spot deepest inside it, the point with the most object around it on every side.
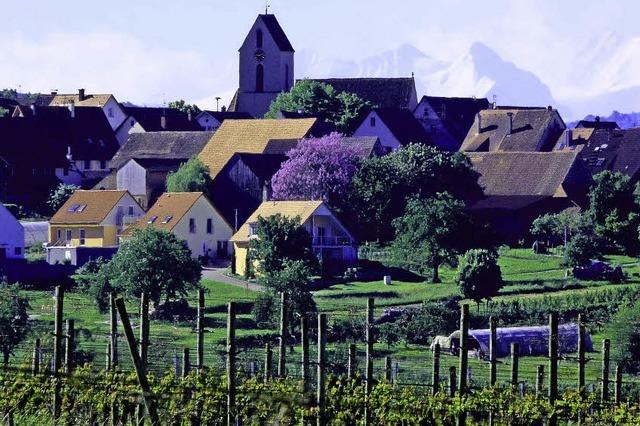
(531, 340)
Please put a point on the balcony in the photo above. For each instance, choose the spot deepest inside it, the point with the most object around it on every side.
(331, 241)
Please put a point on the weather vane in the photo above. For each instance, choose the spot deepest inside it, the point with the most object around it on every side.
(266, 7)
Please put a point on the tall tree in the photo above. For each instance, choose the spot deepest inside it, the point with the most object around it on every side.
(14, 319)
(192, 176)
(340, 109)
(382, 185)
(181, 105)
(60, 195)
(432, 231)
(479, 275)
(317, 169)
(280, 239)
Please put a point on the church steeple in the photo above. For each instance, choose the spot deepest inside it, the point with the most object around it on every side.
(266, 66)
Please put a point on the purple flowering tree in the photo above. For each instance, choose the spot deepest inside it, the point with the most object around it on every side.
(317, 169)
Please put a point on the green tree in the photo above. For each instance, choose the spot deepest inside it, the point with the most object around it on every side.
(341, 109)
(624, 329)
(3, 112)
(60, 195)
(14, 319)
(614, 211)
(279, 239)
(181, 105)
(479, 275)
(432, 231)
(192, 176)
(156, 262)
(382, 185)
(580, 250)
(93, 278)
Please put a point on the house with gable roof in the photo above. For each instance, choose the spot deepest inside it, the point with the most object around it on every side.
(11, 237)
(88, 225)
(394, 127)
(192, 217)
(332, 243)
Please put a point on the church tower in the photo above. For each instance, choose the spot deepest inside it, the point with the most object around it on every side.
(266, 67)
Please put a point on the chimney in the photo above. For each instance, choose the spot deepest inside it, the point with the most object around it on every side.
(72, 110)
(569, 137)
(163, 122)
(189, 116)
(597, 118)
(54, 92)
(510, 115)
(69, 156)
(479, 118)
(265, 192)
(549, 108)
(81, 96)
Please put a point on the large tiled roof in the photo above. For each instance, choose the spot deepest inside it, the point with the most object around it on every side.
(150, 118)
(43, 139)
(597, 124)
(533, 130)
(522, 173)
(614, 150)
(380, 92)
(457, 114)
(366, 146)
(60, 99)
(249, 136)
(572, 139)
(161, 145)
(97, 204)
(227, 115)
(404, 126)
(290, 209)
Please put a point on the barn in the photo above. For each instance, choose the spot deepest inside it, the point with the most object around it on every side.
(532, 340)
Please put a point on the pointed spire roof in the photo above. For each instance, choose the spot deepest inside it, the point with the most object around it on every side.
(273, 26)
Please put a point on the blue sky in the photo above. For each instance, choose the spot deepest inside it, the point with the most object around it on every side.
(149, 51)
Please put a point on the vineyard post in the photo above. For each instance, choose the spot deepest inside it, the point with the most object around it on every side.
(464, 355)
(493, 361)
(452, 381)
(368, 381)
(57, 351)
(231, 364)
(304, 337)
(282, 354)
(142, 377)
(553, 357)
(539, 380)
(144, 330)
(200, 331)
(268, 357)
(618, 388)
(107, 362)
(435, 370)
(186, 364)
(351, 361)
(515, 348)
(35, 365)
(322, 357)
(581, 354)
(387, 369)
(113, 323)
(606, 344)
(68, 356)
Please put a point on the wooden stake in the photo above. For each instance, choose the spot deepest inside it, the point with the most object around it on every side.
(368, 380)
(606, 344)
(113, 323)
(57, 351)
(553, 364)
(435, 371)
(186, 363)
(231, 364)
(452, 381)
(268, 360)
(387, 369)
(282, 354)
(137, 363)
(200, 330)
(107, 362)
(35, 364)
(351, 361)
(464, 355)
(618, 385)
(68, 357)
(493, 352)
(581, 354)
(144, 330)
(322, 340)
(539, 380)
(515, 348)
(304, 337)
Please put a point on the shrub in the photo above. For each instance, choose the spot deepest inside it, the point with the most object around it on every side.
(479, 275)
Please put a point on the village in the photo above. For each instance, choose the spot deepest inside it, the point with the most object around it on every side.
(407, 233)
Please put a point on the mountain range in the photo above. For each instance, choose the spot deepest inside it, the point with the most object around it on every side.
(605, 78)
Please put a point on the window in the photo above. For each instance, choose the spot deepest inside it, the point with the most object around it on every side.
(192, 225)
(152, 219)
(81, 208)
(259, 39)
(68, 235)
(103, 164)
(110, 112)
(209, 226)
(87, 164)
(82, 237)
(372, 122)
(253, 228)
(167, 219)
(259, 78)
(59, 234)
(73, 208)
(131, 211)
(18, 251)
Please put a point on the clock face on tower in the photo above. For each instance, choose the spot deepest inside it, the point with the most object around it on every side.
(259, 55)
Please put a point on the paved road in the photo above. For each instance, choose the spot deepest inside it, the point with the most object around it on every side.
(217, 274)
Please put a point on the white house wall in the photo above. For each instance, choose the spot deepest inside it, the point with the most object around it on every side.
(11, 235)
(387, 139)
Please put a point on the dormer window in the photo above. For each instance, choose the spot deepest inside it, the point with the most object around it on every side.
(152, 219)
(167, 219)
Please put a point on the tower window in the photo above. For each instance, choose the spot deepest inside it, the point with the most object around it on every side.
(372, 122)
(259, 39)
(259, 78)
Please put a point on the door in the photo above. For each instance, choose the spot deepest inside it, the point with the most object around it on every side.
(223, 248)
(3, 253)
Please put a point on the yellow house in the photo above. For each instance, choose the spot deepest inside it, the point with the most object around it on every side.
(332, 243)
(191, 217)
(89, 221)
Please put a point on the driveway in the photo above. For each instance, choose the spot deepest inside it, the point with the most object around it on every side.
(217, 274)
